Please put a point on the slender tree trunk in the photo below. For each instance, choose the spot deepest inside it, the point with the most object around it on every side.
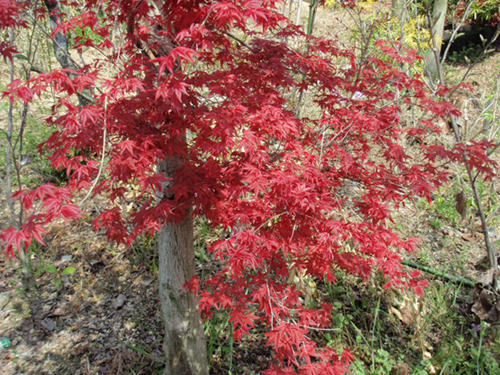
(289, 15)
(398, 6)
(437, 28)
(60, 44)
(184, 343)
(299, 10)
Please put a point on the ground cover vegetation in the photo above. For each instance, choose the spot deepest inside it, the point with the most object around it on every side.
(256, 189)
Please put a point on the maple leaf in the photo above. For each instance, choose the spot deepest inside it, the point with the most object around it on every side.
(243, 322)
(286, 339)
(7, 51)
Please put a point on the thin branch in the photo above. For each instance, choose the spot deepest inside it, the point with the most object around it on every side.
(240, 41)
(455, 30)
(101, 167)
(458, 138)
(453, 278)
(478, 59)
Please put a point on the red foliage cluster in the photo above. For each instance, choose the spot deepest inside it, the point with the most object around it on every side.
(293, 191)
(10, 18)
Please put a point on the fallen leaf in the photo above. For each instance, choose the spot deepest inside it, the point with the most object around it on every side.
(49, 324)
(26, 324)
(119, 301)
(487, 277)
(4, 299)
(401, 369)
(59, 310)
(79, 350)
(487, 307)
(482, 263)
(467, 237)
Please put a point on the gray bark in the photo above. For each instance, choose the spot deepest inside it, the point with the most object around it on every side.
(60, 42)
(60, 45)
(437, 28)
(398, 7)
(299, 10)
(184, 343)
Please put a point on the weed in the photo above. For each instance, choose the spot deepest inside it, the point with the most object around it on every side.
(436, 223)
(444, 206)
(491, 201)
(145, 252)
(155, 364)
(467, 55)
(382, 364)
(383, 343)
(220, 340)
(46, 268)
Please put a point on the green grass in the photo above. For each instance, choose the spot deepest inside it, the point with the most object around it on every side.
(144, 253)
(382, 342)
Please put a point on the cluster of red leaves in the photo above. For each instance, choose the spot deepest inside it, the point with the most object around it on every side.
(50, 203)
(292, 191)
(10, 18)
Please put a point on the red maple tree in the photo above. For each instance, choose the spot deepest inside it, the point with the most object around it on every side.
(205, 89)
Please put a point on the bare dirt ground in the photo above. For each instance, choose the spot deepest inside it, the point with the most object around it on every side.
(102, 319)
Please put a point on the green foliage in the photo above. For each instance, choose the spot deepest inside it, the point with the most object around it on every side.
(383, 364)
(82, 35)
(442, 209)
(33, 168)
(50, 269)
(220, 340)
(382, 343)
(482, 11)
(147, 352)
(68, 271)
(466, 354)
(490, 199)
(375, 22)
(43, 269)
(467, 55)
(145, 253)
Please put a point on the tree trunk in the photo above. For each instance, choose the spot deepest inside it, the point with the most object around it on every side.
(299, 10)
(184, 343)
(60, 44)
(398, 7)
(437, 29)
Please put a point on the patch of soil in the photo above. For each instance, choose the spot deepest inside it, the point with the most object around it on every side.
(103, 319)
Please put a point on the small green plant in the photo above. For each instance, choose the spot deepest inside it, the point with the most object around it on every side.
(467, 55)
(444, 205)
(146, 352)
(491, 201)
(86, 34)
(53, 270)
(382, 343)
(436, 223)
(482, 11)
(144, 252)
(443, 208)
(483, 358)
(219, 332)
(220, 340)
(426, 256)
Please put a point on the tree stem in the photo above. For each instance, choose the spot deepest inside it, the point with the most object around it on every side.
(452, 278)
